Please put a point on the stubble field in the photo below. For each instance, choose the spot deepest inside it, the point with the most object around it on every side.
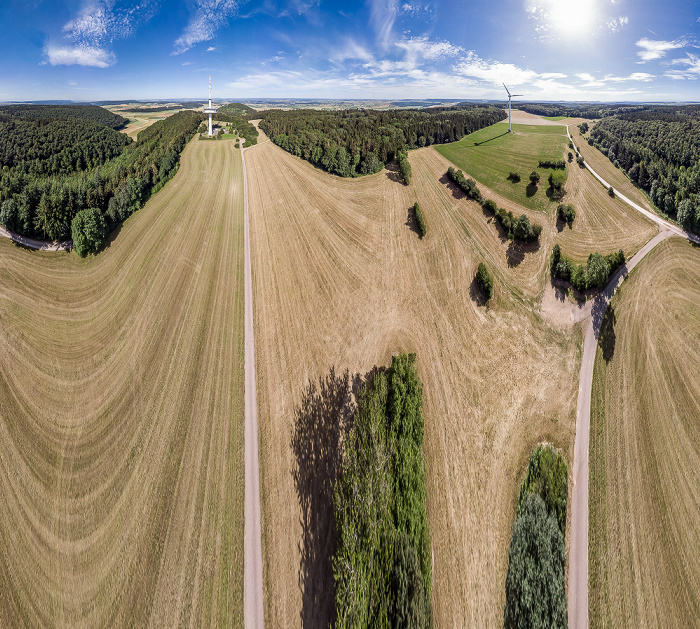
(645, 448)
(121, 416)
(342, 282)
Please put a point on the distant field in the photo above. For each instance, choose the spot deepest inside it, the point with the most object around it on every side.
(644, 484)
(140, 120)
(554, 118)
(121, 416)
(491, 153)
(342, 281)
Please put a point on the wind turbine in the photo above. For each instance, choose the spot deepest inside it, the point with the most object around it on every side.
(509, 97)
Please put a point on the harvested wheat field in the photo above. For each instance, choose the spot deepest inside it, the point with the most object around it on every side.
(602, 224)
(645, 448)
(121, 416)
(342, 282)
(606, 169)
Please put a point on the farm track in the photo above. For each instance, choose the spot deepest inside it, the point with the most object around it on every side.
(121, 416)
(342, 281)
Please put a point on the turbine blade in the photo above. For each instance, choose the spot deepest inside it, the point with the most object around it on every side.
(504, 85)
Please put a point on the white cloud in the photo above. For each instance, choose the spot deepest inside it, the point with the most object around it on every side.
(691, 72)
(553, 75)
(78, 55)
(656, 49)
(211, 48)
(584, 76)
(591, 81)
(383, 14)
(494, 72)
(209, 16)
(422, 47)
(615, 24)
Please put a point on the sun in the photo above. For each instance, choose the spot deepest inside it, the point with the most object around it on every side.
(565, 18)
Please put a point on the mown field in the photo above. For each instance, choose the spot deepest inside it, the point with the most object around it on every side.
(138, 121)
(644, 518)
(491, 153)
(342, 282)
(121, 416)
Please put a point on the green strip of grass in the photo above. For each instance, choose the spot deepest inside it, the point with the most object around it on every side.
(491, 153)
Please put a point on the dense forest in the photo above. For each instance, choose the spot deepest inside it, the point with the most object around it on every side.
(660, 151)
(355, 142)
(382, 564)
(578, 110)
(42, 199)
(237, 109)
(65, 112)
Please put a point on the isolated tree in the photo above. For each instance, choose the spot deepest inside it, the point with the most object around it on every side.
(420, 221)
(597, 270)
(611, 192)
(571, 156)
(484, 281)
(89, 231)
(534, 178)
(521, 228)
(535, 593)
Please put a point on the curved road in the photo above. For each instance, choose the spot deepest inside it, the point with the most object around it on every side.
(578, 553)
(253, 610)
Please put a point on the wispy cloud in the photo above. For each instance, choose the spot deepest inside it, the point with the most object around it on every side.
(209, 16)
(383, 14)
(690, 72)
(590, 81)
(656, 49)
(78, 55)
(616, 23)
(96, 27)
(211, 49)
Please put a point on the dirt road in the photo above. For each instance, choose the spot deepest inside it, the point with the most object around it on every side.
(40, 245)
(578, 554)
(253, 579)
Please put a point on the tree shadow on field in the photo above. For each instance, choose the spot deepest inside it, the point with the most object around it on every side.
(456, 191)
(606, 337)
(476, 294)
(392, 172)
(321, 423)
(560, 225)
(531, 190)
(411, 221)
(517, 250)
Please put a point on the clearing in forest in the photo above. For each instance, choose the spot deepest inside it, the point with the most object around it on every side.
(342, 282)
(644, 567)
(121, 415)
(489, 155)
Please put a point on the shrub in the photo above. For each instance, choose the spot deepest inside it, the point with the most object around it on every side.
(553, 163)
(467, 185)
(571, 157)
(534, 177)
(484, 281)
(566, 212)
(514, 177)
(420, 221)
(490, 206)
(535, 593)
(580, 161)
(611, 192)
(557, 180)
(404, 167)
(89, 231)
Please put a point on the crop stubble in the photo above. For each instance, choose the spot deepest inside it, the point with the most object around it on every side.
(121, 416)
(341, 280)
(645, 449)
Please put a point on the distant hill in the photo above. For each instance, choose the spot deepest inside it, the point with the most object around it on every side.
(236, 109)
(66, 112)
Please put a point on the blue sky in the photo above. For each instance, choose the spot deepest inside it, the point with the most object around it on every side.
(545, 49)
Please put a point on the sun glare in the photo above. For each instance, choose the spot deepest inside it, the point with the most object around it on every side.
(568, 18)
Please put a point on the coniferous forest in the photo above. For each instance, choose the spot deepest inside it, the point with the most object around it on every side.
(660, 151)
(52, 168)
(63, 112)
(355, 142)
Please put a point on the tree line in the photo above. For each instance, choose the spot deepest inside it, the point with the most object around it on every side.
(594, 274)
(382, 563)
(355, 142)
(535, 588)
(659, 149)
(241, 124)
(579, 110)
(44, 205)
(65, 112)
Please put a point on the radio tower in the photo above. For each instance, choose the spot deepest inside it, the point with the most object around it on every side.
(210, 110)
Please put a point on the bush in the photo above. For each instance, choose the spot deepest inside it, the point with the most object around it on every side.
(420, 221)
(535, 593)
(467, 185)
(557, 180)
(566, 212)
(514, 177)
(89, 230)
(611, 192)
(570, 157)
(484, 281)
(553, 163)
(534, 178)
(404, 167)
(580, 161)
(490, 206)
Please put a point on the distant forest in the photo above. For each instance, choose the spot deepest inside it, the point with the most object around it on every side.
(355, 142)
(583, 110)
(65, 112)
(659, 148)
(53, 169)
(237, 109)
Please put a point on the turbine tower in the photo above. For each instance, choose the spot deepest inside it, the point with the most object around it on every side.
(210, 110)
(509, 97)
